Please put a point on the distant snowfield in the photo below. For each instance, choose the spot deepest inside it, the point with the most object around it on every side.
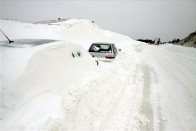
(44, 87)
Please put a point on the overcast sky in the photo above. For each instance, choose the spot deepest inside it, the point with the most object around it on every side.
(166, 19)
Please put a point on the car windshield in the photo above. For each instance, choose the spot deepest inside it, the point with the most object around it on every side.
(102, 48)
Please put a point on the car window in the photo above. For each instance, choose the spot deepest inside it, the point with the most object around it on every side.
(102, 48)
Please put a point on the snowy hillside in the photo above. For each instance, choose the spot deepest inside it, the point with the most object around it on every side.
(86, 32)
(189, 41)
(43, 87)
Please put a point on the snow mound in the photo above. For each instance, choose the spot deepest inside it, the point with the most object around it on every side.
(82, 32)
(74, 22)
(46, 82)
(65, 62)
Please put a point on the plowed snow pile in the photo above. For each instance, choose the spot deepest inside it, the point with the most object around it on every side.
(59, 86)
(47, 82)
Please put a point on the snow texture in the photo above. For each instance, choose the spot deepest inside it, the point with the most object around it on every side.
(57, 85)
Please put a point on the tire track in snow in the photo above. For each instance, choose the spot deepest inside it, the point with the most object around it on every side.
(150, 101)
(121, 107)
(183, 86)
(132, 110)
(146, 105)
(125, 113)
(135, 118)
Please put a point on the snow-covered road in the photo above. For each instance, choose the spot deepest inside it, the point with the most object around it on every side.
(143, 89)
(172, 85)
(146, 88)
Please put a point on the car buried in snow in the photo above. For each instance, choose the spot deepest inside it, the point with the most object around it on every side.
(103, 51)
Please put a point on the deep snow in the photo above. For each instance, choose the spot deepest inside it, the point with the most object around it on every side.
(45, 88)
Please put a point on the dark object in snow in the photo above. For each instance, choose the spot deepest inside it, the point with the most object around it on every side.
(79, 54)
(157, 41)
(97, 62)
(73, 55)
(76, 54)
(10, 41)
(146, 41)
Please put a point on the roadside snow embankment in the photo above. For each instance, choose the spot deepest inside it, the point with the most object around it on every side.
(82, 32)
(46, 82)
(63, 88)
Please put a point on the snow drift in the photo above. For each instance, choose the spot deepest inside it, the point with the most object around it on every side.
(80, 31)
(47, 81)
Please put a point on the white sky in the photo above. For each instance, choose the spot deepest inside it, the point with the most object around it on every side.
(166, 19)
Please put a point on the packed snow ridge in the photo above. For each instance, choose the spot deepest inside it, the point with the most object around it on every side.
(49, 81)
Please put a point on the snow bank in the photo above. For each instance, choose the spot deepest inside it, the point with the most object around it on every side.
(46, 82)
(82, 32)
